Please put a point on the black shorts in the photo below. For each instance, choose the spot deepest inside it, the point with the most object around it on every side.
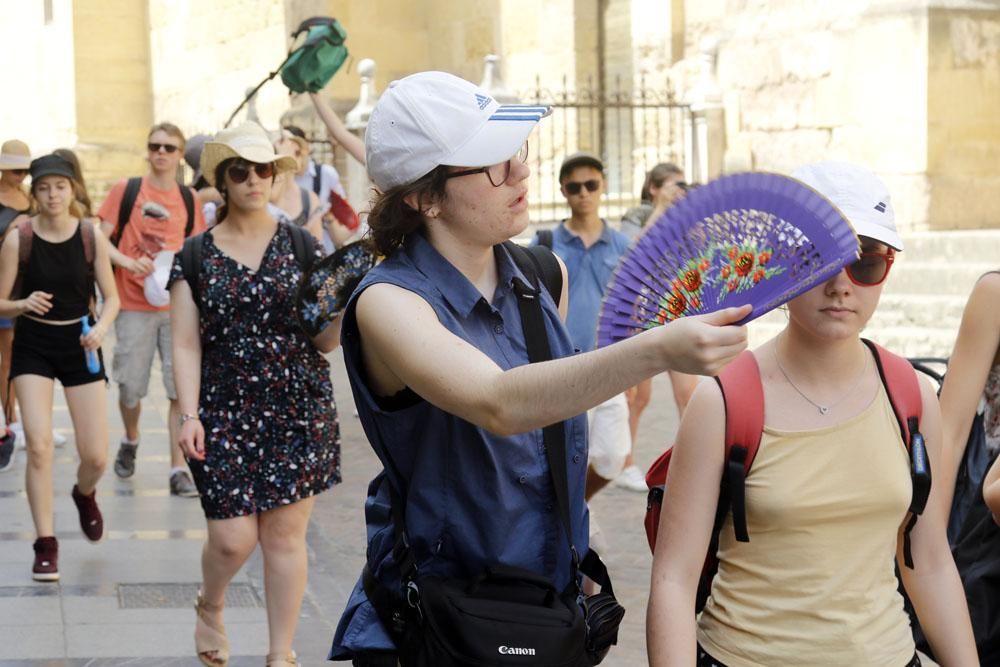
(52, 351)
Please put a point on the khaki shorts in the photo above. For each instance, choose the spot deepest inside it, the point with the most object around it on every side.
(609, 439)
(138, 335)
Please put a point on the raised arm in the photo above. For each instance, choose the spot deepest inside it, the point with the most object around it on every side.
(933, 584)
(975, 349)
(412, 349)
(686, 521)
(339, 134)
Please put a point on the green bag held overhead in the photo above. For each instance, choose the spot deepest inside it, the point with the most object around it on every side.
(312, 65)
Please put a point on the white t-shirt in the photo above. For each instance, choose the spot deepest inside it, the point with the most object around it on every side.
(329, 179)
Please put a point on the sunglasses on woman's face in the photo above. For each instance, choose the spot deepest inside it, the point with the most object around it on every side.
(872, 268)
(167, 148)
(574, 187)
(19, 172)
(239, 172)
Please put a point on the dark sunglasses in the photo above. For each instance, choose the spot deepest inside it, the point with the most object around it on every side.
(239, 172)
(872, 268)
(19, 172)
(497, 173)
(574, 187)
(167, 148)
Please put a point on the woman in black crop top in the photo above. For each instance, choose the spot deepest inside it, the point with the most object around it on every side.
(55, 260)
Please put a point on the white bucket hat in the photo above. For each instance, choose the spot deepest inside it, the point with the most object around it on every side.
(248, 141)
(434, 118)
(859, 194)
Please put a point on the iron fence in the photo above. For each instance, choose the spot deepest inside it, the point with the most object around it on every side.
(630, 128)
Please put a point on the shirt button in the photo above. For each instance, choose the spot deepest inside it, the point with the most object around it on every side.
(523, 479)
(498, 329)
(576, 458)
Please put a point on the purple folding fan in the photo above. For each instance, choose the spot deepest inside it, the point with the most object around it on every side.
(754, 238)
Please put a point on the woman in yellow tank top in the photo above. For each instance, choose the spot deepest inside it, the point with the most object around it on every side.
(826, 498)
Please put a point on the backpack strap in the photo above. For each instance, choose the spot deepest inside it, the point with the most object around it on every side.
(317, 178)
(191, 265)
(125, 208)
(303, 246)
(25, 233)
(743, 395)
(305, 205)
(903, 389)
(188, 198)
(538, 261)
(544, 237)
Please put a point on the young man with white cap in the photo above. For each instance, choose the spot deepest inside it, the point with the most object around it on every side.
(829, 494)
(437, 355)
(142, 329)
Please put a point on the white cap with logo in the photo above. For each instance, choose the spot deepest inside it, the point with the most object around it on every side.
(859, 194)
(434, 118)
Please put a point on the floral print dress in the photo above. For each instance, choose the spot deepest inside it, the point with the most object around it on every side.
(266, 402)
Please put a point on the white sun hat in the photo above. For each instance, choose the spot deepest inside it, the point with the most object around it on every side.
(859, 194)
(434, 118)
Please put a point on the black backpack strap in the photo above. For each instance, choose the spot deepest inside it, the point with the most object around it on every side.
(317, 178)
(125, 208)
(303, 246)
(545, 238)
(188, 198)
(535, 261)
(191, 265)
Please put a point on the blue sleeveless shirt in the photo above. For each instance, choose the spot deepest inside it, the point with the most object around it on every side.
(473, 498)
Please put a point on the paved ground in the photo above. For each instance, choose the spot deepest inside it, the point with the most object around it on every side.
(128, 599)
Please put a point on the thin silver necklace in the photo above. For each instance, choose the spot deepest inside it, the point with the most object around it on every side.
(823, 409)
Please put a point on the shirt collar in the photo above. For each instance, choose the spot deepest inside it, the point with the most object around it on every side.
(456, 289)
(565, 235)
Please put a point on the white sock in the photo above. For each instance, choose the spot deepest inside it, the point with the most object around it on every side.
(126, 441)
(177, 469)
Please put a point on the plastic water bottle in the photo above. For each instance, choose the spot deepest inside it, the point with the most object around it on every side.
(93, 363)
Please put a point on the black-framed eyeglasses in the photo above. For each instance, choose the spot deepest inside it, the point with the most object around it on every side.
(574, 187)
(239, 171)
(155, 147)
(871, 269)
(497, 173)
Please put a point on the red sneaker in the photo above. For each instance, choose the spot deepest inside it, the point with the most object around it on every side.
(91, 521)
(46, 567)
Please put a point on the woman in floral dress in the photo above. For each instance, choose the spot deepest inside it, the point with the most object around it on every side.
(258, 426)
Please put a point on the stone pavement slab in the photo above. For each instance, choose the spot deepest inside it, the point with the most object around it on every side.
(155, 539)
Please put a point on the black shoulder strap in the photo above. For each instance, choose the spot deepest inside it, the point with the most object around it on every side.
(317, 178)
(125, 209)
(191, 265)
(303, 246)
(545, 238)
(188, 198)
(535, 261)
(305, 205)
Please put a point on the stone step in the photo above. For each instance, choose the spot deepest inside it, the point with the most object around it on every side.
(981, 246)
(952, 278)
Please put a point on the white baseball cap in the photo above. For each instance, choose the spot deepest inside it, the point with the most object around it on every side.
(435, 118)
(859, 194)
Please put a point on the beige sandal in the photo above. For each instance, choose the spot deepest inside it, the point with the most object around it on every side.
(275, 659)
(209, 638)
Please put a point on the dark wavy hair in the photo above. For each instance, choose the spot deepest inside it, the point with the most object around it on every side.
(220, 185)
(391, 218)
(655, 178)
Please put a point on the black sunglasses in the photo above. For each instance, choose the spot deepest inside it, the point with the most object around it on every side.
(497, 173)
(19, 172)
(872, 268)
(239, 171)
(574, 187)
(155, 147)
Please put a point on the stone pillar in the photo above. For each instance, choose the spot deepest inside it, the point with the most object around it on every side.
(706, 145)
(493, 81)
(357, 183)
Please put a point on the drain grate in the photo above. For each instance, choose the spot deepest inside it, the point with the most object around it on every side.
(179, 596)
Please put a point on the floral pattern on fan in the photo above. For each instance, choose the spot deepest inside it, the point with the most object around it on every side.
(329, 283)
(755, 238)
